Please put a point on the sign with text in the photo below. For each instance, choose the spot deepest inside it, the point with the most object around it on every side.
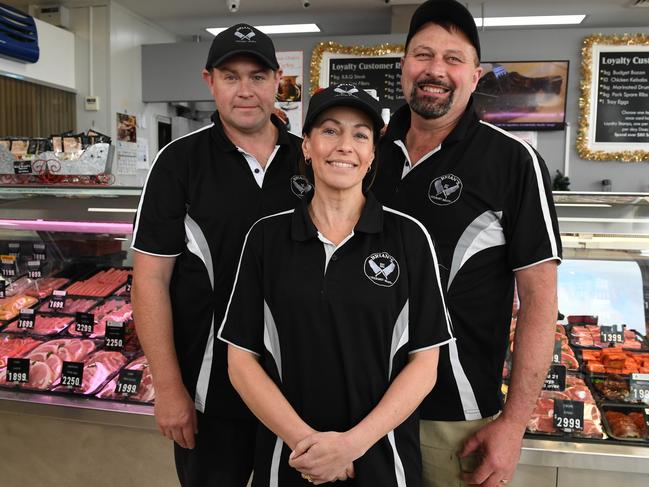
(556, 378)
(568, 415)
(623, 97)
(611, 334)
(128, 382)
(17, 370)
(639, 387)
(614, 98)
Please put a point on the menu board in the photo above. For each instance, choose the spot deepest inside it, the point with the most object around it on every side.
(382, 74)
(622, 97)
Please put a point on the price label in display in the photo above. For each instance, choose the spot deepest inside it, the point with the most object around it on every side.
(17, 370)
(128, 382)
(556, 354)
(129, 283)
(22, 167)
(72, 374)
(639, 387)
(26, 319)
(85, 323)
(38, 250)
(568, 415)
(14, 248)
(115, 335)
(3, 289)
(646, 417)
(611, 334)
(57, 301)
(8, 265)
(34, 270)
(556, 378)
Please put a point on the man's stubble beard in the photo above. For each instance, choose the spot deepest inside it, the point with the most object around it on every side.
(429, 110)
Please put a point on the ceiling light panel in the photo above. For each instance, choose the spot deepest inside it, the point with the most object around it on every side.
(275, 29)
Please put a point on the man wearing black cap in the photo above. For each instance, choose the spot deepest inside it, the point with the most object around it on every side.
(203, 193)
(485, 197)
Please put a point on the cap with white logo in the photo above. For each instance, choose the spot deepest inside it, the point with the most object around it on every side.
(242, 39)
(343, 95)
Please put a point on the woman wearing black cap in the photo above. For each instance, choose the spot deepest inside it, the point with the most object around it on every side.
(332, 341)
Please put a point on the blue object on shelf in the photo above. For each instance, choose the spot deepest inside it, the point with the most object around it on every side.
(18, 35)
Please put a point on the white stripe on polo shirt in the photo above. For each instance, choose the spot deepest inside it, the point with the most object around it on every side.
(434, 254)
(545, 209)
(146, 182)
(236, 277)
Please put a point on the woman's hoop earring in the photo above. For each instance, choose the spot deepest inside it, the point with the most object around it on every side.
(307, 162)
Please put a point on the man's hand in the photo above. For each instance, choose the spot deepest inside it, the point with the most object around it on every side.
(498, 447)
(175, 415)
(324, 457)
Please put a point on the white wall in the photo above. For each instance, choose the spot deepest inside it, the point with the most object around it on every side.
(55, 67)
(128, 32)
(112, 35)
(100, 47)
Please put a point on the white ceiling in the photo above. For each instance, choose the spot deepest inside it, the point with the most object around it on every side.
(340, 17)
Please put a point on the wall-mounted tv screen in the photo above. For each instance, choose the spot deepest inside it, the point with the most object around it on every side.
(523, 95)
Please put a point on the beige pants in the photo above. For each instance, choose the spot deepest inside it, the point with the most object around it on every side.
(440, 443)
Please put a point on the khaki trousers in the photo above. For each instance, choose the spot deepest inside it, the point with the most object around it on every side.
(440, 443)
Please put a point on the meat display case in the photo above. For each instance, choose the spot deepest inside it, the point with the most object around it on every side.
(65, 439)
(92, 227)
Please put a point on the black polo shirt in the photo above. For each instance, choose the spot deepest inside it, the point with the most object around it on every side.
(198, 202)
(485, 197)
(333, 333)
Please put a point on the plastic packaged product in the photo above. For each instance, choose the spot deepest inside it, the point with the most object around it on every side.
(542, 419)
(38, 288)
(96, 370)
(145, 393)
(11, 306)
(12, 346)
(46, 360)
(43, 325)
(101, 284)
(111, 310)
(72, 305)
(589, 336)
(43, 287)
(615, 361)
(626, 424)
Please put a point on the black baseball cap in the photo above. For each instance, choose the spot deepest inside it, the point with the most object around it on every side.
(445, 11)
(343, 95)
(242, 39)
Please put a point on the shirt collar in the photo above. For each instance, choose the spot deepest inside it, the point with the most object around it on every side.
(226, 144)
(303, 229)
(400, 124)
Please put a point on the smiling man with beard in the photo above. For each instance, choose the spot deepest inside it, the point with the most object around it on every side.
(485, 197)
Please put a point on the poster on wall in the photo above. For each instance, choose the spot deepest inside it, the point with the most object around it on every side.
(127, 150)
(289, 103)
(614, 121)
(375, 69)
(523, 95)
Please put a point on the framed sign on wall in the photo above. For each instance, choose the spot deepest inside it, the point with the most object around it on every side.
(375, 69)
(614, 123)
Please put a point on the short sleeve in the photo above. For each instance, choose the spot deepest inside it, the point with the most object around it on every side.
(532, 231)
(159, 227)
(243, 323)
(429, 324)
